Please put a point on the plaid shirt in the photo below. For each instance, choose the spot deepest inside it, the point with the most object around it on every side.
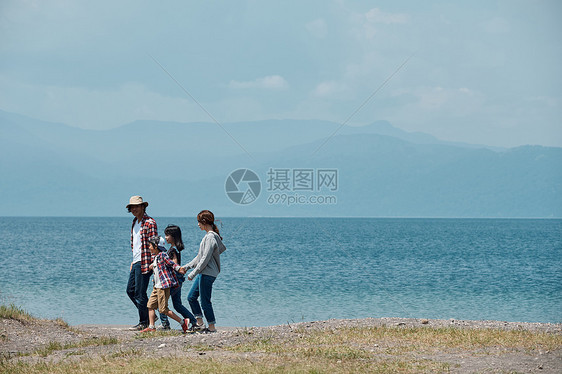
(148, 230)
(166, 271)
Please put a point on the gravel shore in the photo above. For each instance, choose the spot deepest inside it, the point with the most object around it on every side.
(22, 340)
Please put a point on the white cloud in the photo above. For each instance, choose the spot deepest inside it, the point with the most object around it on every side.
(270, 82)
(376, 15)
(317, 28)
(332, 89)
(326, 89)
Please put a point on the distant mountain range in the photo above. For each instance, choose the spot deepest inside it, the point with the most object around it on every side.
(180, 168)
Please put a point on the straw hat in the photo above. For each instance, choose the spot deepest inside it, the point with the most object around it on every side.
(136, 200)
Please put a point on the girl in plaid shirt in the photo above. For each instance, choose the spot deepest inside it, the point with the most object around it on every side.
(164, 279)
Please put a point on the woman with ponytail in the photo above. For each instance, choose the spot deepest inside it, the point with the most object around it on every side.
(206, 267)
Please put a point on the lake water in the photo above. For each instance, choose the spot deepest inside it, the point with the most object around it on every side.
(279, 270)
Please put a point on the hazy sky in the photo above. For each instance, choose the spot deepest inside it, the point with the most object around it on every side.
(480, 71)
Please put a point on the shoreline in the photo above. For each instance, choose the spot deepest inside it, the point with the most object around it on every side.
(352, 342)
(381, 321)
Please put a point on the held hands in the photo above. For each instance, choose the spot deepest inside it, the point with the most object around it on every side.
(184, 271)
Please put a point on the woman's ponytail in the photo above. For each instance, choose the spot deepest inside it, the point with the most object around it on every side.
(216, 229)
(207, 217)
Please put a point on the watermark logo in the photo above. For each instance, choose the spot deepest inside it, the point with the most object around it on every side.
(311, 180)
(285, 186)
(301, 186)
(242, 186)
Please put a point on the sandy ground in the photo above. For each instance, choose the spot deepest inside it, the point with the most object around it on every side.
(21, 340)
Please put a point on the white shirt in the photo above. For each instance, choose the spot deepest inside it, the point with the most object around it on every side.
(157, 283)
(137, 244)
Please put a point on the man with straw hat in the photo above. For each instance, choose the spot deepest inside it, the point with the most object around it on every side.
(143, 228)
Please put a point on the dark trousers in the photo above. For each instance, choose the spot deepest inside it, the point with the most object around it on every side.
(136, 290)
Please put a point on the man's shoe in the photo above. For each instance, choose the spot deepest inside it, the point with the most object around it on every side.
(138, 327)
(149, 329)
(163, 327)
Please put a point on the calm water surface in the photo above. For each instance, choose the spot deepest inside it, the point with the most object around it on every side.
(279, 270)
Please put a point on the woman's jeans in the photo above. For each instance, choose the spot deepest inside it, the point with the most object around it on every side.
(136, 290)
(175, 295)
(202, 286)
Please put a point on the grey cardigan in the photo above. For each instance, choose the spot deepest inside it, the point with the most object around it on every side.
(208, 259)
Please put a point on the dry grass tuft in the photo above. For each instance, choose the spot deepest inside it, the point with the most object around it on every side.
(14, 312)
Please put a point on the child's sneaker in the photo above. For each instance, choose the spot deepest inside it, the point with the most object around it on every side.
(149, 329)
(185, 325)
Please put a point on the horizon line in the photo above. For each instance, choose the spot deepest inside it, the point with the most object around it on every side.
(300, 217)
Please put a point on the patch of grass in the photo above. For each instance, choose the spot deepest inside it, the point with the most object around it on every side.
(419, 338)
(158, 334)
(303, 350)
(62, 323)
(200, 347)
(49, 348)
(370, 344)
(57, 346)
(120, 365)
(345, 350)
(337, 352)
(76, 353)
(14, 312)
(126, 353)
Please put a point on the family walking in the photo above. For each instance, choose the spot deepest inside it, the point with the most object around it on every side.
(151, 257)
